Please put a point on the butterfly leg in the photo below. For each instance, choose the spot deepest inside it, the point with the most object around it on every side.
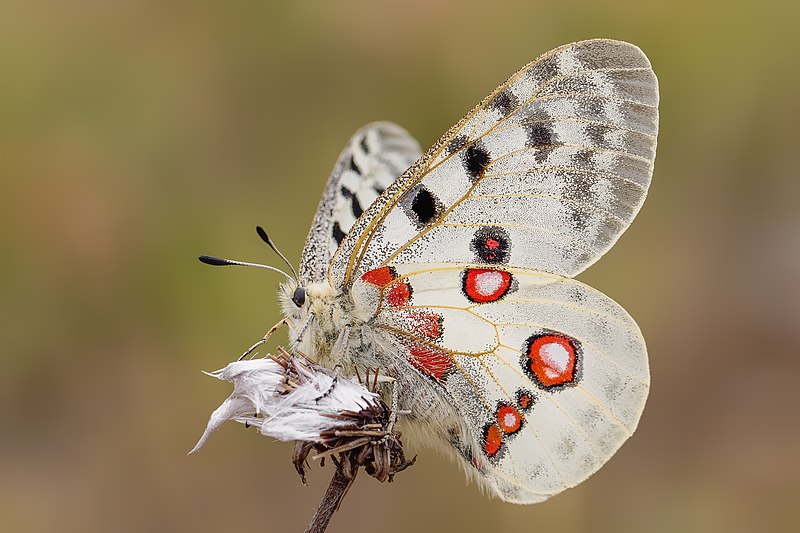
(394, 386)
(304, 326)
(266, 337)
(340, 347)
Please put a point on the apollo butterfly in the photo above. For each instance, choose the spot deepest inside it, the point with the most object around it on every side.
(455, 278)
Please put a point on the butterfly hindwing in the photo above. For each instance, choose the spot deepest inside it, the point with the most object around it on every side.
(550, 374)
(374, 157)
(553, 166)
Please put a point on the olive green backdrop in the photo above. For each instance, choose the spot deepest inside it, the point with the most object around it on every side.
(136, 135)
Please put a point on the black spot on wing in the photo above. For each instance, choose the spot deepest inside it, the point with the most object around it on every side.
(338, 234)
(424, 206)
(542, 153)
(355, 207)
(363, 144)
(421, 206)
(542, 137)
(544, 70)
(353, 166)
(476, 159)
(592, 107)
(456, 144)
(491, 244)
(583, 158)
(540, 134)
(597, 132)
(505, 102)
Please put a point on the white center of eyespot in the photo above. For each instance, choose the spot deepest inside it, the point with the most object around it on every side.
(488, 283)
(509, 420)
(555, 357)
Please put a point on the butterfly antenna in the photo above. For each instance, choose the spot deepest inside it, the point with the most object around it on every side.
(216, 261)
(266, 239)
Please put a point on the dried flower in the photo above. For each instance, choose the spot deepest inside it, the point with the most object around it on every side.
(290, 399)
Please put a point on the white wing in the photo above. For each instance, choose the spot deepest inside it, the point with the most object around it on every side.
(463, 265)
(373, 158)
(550, 374)
(545, 173)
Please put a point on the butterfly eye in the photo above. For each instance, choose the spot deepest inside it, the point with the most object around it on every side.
(299, 296)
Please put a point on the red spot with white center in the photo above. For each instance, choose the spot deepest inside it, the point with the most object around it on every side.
(483, 285)
(429, 360)
(551, 359)
(509, 419)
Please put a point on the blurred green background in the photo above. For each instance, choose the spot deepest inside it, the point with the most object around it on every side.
(136, 135)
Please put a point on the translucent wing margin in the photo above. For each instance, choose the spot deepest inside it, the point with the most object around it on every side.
(550, 168)
(550, 374)
(374, 157)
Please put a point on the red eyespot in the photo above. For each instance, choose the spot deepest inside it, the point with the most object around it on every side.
(551, 359)
(509, 419)
(482, 285)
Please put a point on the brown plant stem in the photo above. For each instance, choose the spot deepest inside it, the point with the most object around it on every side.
(337, 489)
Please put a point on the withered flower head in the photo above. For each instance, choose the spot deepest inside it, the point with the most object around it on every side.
(291, 399)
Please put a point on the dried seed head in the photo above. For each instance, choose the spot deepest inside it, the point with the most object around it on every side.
(292, 399)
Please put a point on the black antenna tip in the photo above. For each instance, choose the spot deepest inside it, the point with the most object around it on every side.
(265, 238)
(263, 235)
(214, 261)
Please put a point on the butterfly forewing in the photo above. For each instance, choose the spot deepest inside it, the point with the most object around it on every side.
(555, 162)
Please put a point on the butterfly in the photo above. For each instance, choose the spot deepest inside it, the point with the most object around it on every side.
(456, 278)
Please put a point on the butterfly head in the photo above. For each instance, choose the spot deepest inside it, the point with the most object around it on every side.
(294, 300)
(314, 313)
